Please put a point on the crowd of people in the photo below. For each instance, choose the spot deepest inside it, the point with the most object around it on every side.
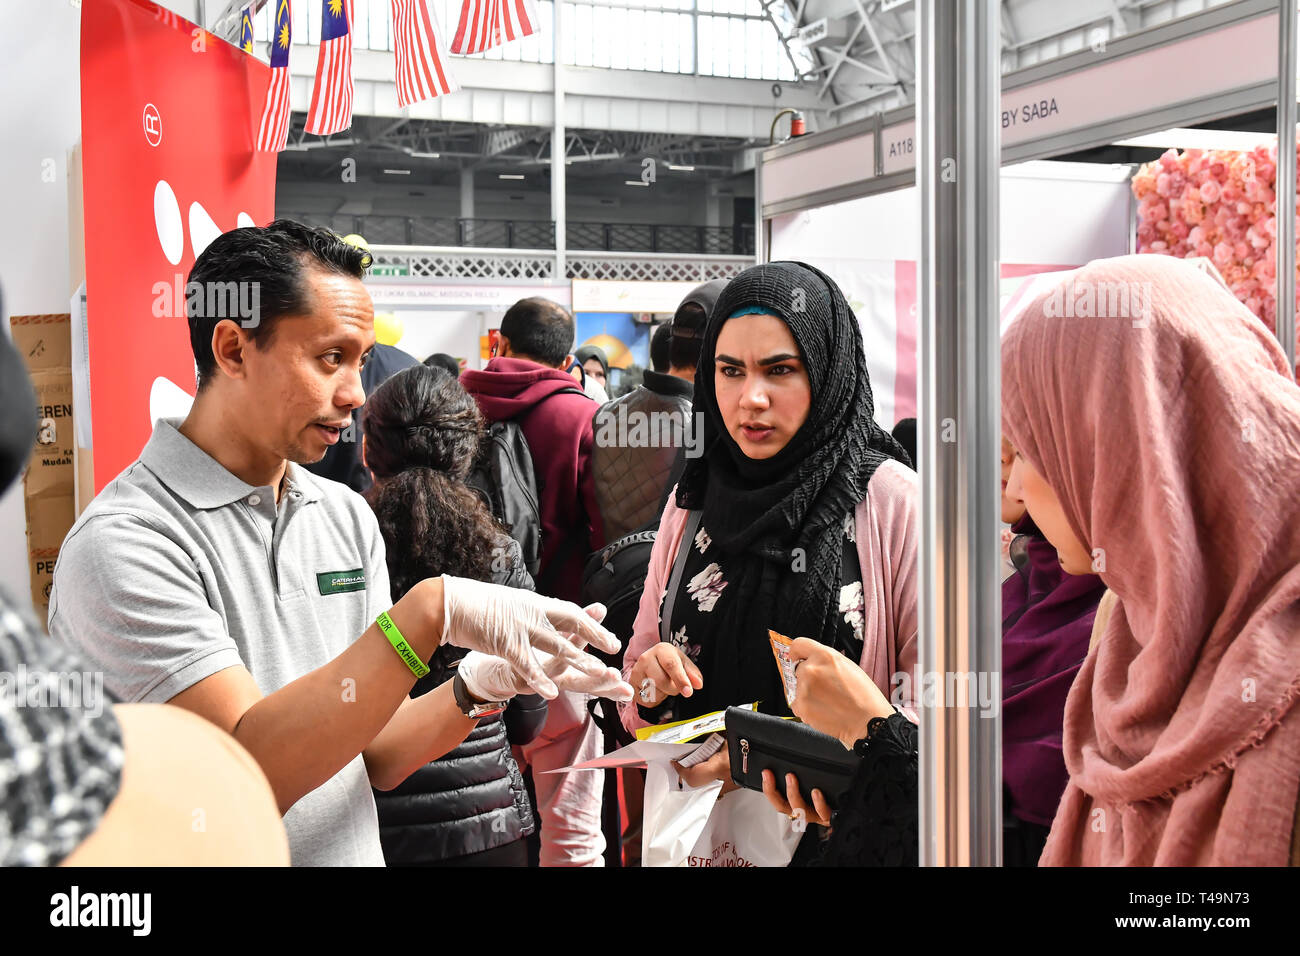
(369, 576)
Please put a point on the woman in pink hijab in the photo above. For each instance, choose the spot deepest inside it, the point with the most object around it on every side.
(1157, 432)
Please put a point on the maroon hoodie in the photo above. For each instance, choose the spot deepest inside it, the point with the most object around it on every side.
(559, 433)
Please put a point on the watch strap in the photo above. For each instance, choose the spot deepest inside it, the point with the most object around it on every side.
(469, 706)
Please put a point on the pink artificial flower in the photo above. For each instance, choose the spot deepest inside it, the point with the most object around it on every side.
(1222, 255)
(1210, 191)
(1144, 182)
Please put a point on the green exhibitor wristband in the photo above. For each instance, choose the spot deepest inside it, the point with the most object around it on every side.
(404, 651)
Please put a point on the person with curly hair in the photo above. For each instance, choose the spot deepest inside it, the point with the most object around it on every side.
(470, 806)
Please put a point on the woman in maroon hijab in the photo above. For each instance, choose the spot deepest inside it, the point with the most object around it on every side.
(1047, 616)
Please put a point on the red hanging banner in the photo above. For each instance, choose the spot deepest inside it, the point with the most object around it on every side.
(168, 115)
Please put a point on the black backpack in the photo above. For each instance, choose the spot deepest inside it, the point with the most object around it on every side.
(615, 576)
(504, 477)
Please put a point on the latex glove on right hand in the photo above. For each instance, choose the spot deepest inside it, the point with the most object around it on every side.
(510, 623)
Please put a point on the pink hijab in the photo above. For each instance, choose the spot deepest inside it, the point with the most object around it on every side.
(1169, 428)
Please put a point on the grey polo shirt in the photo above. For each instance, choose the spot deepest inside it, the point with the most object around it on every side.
(178, 570)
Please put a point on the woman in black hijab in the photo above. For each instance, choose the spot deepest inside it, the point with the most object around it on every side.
(593, 362)
(801, 509)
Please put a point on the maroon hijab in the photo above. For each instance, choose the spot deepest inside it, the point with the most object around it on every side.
(1046, 622)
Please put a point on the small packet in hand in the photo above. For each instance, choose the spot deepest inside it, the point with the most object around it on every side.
(781, 651)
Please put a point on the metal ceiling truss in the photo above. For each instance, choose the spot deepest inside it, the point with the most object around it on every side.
(868, 54)
(477, 146)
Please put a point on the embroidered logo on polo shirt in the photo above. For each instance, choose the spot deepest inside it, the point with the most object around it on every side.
(337, 582)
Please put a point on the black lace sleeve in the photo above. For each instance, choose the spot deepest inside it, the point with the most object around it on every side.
(876, 824)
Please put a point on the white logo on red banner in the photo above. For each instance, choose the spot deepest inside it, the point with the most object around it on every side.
(152, 124)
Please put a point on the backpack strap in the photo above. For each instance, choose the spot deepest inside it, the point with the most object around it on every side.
(543, 581)
(675, 579)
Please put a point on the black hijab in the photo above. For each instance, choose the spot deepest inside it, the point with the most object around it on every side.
(592, 352)
(780, 521)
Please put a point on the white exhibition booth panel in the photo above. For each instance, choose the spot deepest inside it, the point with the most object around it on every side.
(1053, 216)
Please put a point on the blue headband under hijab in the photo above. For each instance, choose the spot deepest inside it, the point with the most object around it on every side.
(751, 310)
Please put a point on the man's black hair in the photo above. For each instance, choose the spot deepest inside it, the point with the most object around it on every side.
(539, 329)
(684, 352)
(445, 362)
(273, 260)
(661, 347)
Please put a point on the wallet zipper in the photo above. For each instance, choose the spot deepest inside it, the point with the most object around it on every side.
(801, 757)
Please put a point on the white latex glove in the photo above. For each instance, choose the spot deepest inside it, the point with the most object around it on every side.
(511, 623)
(491, 678)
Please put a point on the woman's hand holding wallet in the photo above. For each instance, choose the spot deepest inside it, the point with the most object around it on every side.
(835, 696)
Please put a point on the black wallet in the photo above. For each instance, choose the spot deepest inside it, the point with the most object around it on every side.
(759, 742)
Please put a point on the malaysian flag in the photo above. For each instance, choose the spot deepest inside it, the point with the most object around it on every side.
(488, 23)
(422, 65)
(246, 30)
(331, 97)
(273, 132)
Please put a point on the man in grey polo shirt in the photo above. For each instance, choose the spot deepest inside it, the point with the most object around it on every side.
(217, 574)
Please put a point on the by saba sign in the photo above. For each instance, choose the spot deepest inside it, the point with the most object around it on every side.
(169, 113)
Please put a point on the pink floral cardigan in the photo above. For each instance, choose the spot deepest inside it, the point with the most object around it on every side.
(886, 529)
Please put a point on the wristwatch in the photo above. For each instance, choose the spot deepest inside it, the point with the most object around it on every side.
(472, 708)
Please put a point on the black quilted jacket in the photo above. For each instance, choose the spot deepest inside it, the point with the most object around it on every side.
(472, 798)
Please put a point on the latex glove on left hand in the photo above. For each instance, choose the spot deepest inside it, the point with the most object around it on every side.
(492, 678)
(515, 625)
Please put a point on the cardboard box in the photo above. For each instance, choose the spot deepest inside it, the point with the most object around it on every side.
(45, 342)
(50, 470)
(49, 519)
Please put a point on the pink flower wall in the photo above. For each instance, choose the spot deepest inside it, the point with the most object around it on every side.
(1217, 204)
